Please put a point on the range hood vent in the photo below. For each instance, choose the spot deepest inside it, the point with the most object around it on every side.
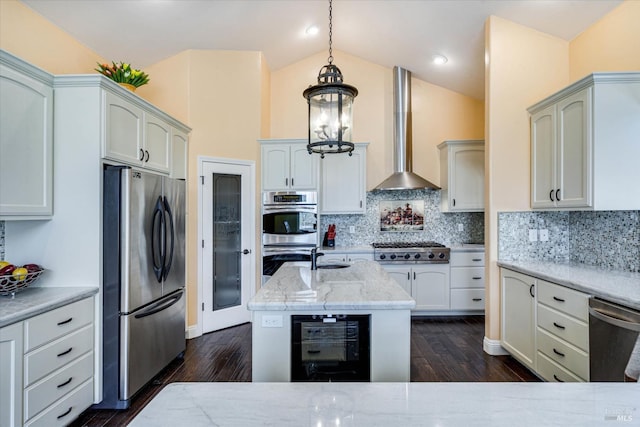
(403, 177)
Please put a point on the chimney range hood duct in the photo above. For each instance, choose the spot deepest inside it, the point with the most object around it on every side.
(403, 177)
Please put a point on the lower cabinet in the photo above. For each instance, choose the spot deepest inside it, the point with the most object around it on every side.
(467, 281)
(47, 367)
(545, 326)
(427, 284)
(331, 257)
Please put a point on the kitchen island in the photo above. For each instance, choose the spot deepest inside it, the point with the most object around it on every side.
(363, 288)
(393, 404)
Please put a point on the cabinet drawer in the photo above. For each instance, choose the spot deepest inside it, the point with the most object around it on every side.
(566, 300)
(551, 371)
(56, 323)
(48, 358)
(467, 299)
(466, 259)
(568, 356)
(467, 277)
(56, 385)
(66, 409)
(569, 329)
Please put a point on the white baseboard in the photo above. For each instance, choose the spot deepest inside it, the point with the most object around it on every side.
(192, 332)
(493, 347)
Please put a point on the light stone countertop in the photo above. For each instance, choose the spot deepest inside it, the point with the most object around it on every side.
(493, 404)
(467, 247)
(349, 249)
(361, 286)
(616, 286)
(34, 300)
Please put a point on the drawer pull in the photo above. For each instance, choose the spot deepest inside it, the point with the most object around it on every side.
(64, 322)
(66, 413)
(558, 299)
(477, 278)
(65, 383)
(65, 352)
(558, 326)
(476, 259)
(558, 353)
(477, 299)
(557, 379)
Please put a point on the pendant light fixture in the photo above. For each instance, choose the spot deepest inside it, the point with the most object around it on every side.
(330, 109)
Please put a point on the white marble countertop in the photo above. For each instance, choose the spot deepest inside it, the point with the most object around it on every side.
(393, 404)
(362, 285)
(615, 286)
(34, 300)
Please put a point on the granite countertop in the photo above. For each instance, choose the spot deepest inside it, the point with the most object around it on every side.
(612, 285)
(33, 301)
(393, 404)
(467, 247)
(362, 285)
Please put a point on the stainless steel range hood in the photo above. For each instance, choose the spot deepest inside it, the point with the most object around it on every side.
(403, 177)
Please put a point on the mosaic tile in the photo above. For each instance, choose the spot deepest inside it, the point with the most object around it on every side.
(1, 239)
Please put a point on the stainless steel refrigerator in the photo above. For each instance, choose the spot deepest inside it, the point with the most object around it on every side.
(143, 279)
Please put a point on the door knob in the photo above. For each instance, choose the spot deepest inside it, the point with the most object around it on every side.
(246, 251)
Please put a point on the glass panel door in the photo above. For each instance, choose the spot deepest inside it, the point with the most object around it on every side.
(227, 241)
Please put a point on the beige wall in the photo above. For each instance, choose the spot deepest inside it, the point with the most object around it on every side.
(29, 36)
(438, 113)
(611, 44)
(523, 66)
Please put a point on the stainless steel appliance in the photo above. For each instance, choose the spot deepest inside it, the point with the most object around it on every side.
(330, 348)
(143, 277)
(411, 252)
(613, 333)
(290, 218)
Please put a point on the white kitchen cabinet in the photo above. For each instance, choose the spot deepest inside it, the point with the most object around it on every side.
(584, 145)
(518, 316)
(332, 257)
(179, 142)
(343, 182)
(11, 388)
(135, 136)
(47, 366)
(462, 176)
(428, 284)
(287, 165)
(467, 281)
(26, 140)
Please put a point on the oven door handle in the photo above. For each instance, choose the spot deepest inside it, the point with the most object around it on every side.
(289, 208)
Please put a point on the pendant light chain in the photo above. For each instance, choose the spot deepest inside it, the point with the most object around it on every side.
(330, 59)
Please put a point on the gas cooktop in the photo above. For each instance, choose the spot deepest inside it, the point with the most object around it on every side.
(411, 252)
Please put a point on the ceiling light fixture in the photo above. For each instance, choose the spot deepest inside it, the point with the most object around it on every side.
(312, 30)
(330, 109)
(439, 59)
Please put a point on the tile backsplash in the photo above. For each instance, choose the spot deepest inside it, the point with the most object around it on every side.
(440, 227)
(1, 240)
(608, 239)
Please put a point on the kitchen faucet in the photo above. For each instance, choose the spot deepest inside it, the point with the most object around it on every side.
(314, 258)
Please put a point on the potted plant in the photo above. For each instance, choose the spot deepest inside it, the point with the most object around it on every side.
(123, 74)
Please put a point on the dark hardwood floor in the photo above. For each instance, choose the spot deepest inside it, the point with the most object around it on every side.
(442, 349)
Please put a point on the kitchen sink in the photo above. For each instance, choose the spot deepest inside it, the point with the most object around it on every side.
(331, 266)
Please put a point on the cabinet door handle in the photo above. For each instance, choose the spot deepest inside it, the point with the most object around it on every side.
(558, 299)
(66, 413)
(476, 259)
(65, 352)
(454, 201)
(141, 154)
(557, 379)
(286, 182)
(559, 353)
(64, 322)
(531, 290)
(292, 184)
(147, 154)
(360, 203)
(65, 383)
(408, 275)
(476, 278)
(414, 275)
(477, 299)
(558, 194)
(559, 326)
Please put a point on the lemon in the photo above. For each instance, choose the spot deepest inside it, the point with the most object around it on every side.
(19, 274)
(3, 264)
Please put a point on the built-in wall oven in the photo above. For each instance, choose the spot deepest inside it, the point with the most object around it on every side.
(330, 348)
(289, 228)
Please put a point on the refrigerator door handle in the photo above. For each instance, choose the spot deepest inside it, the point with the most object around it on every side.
(160, 305)
(167, 262)
(156, 234)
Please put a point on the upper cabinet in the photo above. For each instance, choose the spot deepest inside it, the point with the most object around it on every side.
(343, 181)
(287, 165)
(462, 176)
(584, 145)
(26, 140)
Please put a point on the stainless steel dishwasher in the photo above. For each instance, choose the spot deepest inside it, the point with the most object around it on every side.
(613, 333)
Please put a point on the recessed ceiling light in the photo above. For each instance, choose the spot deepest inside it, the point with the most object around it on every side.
(312, 30)
(439, 59)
